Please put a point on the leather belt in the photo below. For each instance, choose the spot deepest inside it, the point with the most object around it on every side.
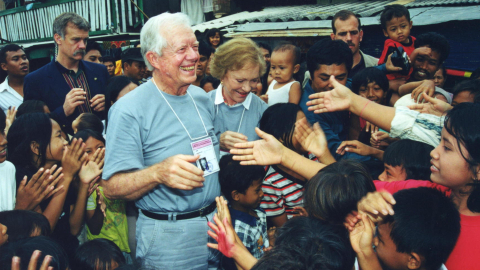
(198, 213)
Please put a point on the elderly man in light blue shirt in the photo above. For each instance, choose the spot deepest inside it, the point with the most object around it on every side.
(156, 135)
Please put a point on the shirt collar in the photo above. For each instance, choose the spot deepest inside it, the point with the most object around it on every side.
(243, 217)
(5, 87)
(219, 98)
(63, 69)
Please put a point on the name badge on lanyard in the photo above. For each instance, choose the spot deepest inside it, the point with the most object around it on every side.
(202, 146)
(208, 160)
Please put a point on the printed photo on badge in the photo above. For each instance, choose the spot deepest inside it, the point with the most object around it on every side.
(203, 164)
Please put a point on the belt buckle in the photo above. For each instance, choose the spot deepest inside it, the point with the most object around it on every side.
(201, 212)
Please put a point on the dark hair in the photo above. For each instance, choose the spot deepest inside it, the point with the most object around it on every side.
(205, 49)
(393, 11)
(369, 75)
(97, 254)
(234, 176)
(24, 130)
(466, 129)
(475, 74)
(425, 222)
(307, 243)
(3, 122)
(212, 32)
(336, 189)
(279, 121)
(444, 71)
(472, 86)
(31, 106)
(24, 249)
(8, 48)
(265, 46)
(108, 59)
(209, 79)
(90, 121)
(92, 45)
(344, 15)
(114, 86)
(413, 156)
(329, 52)
(436, 42)
(22, 224)
(288, 46)
(264, 78)
(84, 134)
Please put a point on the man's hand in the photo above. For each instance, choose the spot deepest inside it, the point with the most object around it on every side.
(40, 187)
(74, 98)
(427, 87)
(433, 106)
(267, 151)
(389, 65)
(98, 103)
(178, 172)
(338, 99)
(229, 138)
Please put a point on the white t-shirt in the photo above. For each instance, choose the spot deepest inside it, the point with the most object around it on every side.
(8, 186)
(9, 97)
(280, 95)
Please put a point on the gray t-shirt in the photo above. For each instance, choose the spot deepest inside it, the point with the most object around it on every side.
(228, 118)
(143, 131)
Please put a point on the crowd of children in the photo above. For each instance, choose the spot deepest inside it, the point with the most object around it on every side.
(289, 200)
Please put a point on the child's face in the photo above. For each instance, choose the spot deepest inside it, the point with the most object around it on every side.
(3, 147)
(393, 173)
(398, 29)
(253, 195)
(373, 92)
(3, 234)
(449, 168)
(282, 66)
(91, 145)
(386, 249)
(57, 144)
(215, 40)
(464, 96)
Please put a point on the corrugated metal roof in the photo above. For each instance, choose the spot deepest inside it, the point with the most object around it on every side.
(296, 13)
(426, 3)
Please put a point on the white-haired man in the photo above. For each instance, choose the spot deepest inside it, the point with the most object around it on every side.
(155, 136)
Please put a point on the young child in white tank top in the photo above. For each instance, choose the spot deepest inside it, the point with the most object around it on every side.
(285, 62)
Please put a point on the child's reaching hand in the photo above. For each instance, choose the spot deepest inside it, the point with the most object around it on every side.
(376, 205)
(312, 140)
(361, 235)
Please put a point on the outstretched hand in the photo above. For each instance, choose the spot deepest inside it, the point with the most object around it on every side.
(92, 168)
(11, 113)
(267, 151)
(338, 99)
(433, 106)
(311, 139)
(224, 234)
(32, 265)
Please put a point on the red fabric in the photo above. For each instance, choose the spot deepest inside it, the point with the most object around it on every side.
(383, 58)
(395, 186)
(466, 252)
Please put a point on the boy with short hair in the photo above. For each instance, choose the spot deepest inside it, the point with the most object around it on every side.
(242, 187)
(420, 234)
(396, 25)
(284, 64)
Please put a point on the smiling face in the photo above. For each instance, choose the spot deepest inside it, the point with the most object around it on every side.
(283, 66)
(425, 66)
(373, 92)
(398, 29)
(74, 44)
(57, 144)
(16, 64)
(321, 77)
(215, 40)
(348, 32)
(3, 147)
(238, 84)
(449, 168)
(178, 60)
(93, 56)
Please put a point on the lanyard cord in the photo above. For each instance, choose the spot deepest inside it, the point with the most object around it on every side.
(178, 118)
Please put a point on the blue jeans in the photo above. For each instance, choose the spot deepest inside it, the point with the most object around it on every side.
(180, 244)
